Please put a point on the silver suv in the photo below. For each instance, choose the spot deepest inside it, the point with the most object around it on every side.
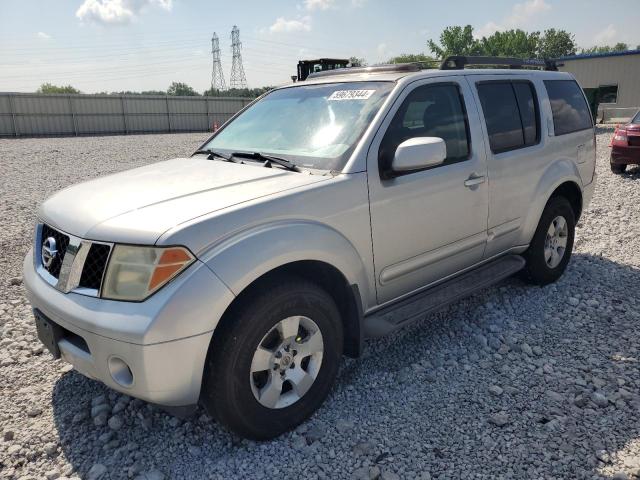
(326, 212)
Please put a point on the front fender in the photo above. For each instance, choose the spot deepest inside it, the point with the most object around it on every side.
(557, 173)
(240, 260)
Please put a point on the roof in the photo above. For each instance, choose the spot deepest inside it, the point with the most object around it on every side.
(393, 76)
(583, 56)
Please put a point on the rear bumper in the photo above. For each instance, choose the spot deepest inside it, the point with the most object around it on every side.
(625, 156)
(162, 341)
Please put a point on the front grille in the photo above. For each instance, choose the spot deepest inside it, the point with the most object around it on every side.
(91, 263)
(62, 242)
(94, 266)
(634, 141)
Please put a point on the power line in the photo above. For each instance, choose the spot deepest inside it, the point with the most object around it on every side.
(217, 76)
(238, 79)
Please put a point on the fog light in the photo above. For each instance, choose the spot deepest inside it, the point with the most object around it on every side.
(120, 372)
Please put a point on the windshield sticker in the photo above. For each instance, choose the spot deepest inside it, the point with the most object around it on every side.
(351, 95)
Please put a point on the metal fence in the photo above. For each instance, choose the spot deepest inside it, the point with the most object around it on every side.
(31, 114)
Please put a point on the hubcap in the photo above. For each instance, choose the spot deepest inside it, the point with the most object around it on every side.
(555, 243)
(286, 362)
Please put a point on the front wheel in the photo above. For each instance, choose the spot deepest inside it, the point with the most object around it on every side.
(274, 360)
(550, 249)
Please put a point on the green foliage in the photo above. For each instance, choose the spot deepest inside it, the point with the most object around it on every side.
(357, 62)
(459, 40)
(511, 43)
(455, 40)
(413, 57)
(556, 43)
(237, 92)
(180, 89)
(618, 47)
(50, 88)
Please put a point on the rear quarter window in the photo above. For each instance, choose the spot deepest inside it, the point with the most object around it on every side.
(569, 108)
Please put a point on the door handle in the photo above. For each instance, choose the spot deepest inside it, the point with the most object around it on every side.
(474, 180)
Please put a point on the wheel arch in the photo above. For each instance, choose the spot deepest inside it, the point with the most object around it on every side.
(330, 279)
(560, 179)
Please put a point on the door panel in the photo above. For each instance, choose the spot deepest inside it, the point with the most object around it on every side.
(514, 168)
(428, 224)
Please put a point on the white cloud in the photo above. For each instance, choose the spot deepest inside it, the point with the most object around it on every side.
(605, 36)
(111, 12)
(281, 25)
(43, 35)
(318, 4)
(521, 14)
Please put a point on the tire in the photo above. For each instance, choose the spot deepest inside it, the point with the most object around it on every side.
(541, 269)
(617, 168)
(233, 395)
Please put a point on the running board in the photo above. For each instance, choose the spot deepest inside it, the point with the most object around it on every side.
(398, 315)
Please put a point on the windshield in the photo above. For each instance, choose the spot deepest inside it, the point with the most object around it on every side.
(636, 119)
(315, 126)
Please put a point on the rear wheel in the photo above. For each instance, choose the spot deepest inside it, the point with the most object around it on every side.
(550, 249)
(618, 168)
(274, 360)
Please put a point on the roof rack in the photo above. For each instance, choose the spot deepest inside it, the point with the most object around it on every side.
(458, 62)
(394, 67)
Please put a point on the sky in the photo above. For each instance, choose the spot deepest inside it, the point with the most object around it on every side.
(115, 45)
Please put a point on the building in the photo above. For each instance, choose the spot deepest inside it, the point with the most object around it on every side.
(611, 82)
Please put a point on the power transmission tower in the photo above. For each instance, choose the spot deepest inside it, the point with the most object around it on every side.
(238, 80)
(217, 76)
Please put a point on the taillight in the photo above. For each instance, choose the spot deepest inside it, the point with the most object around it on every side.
(619, 138)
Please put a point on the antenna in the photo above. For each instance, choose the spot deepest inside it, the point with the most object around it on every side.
(217, 76)
(238, 80)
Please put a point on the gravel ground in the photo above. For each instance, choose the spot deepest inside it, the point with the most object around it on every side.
(514, 382)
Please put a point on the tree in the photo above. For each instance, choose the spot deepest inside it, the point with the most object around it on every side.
(50, 88)
(412, 57)
(237, 92)
(511, 43)
(556, 43)
(618, 47)
(455, 40)
(182, 90)
(357, 62)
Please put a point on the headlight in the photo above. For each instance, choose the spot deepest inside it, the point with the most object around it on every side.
(136, 272)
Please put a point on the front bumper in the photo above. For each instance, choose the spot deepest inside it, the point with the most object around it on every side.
(163, 341)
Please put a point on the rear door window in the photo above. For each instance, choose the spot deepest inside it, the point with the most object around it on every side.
(527, 103)
(569, 108)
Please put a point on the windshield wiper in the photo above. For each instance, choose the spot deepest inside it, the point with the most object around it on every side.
(268, 159)
(214, 153)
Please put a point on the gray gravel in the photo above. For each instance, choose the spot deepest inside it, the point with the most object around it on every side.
(515, 382)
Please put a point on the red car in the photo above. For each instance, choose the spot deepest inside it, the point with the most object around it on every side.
(625, 145)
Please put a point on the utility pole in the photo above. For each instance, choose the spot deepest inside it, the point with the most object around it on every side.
(238, 80)
(217, 76)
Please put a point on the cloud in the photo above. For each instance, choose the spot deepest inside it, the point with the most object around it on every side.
(521, 14)
(43, 35)
(358, 3)
(318, 4)
(111, 12)
(606, 35)
(281, 25)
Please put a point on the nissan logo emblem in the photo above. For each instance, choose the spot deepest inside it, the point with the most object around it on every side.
(49, 252)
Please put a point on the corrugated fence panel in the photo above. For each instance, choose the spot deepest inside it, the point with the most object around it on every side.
(38, 114)
(6, 118)
(140, 123)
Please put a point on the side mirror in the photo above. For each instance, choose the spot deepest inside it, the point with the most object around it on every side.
(418, 153)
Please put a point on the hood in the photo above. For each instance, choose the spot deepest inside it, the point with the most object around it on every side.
(137, 206)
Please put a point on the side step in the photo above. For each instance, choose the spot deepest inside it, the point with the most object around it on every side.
(399, 314)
